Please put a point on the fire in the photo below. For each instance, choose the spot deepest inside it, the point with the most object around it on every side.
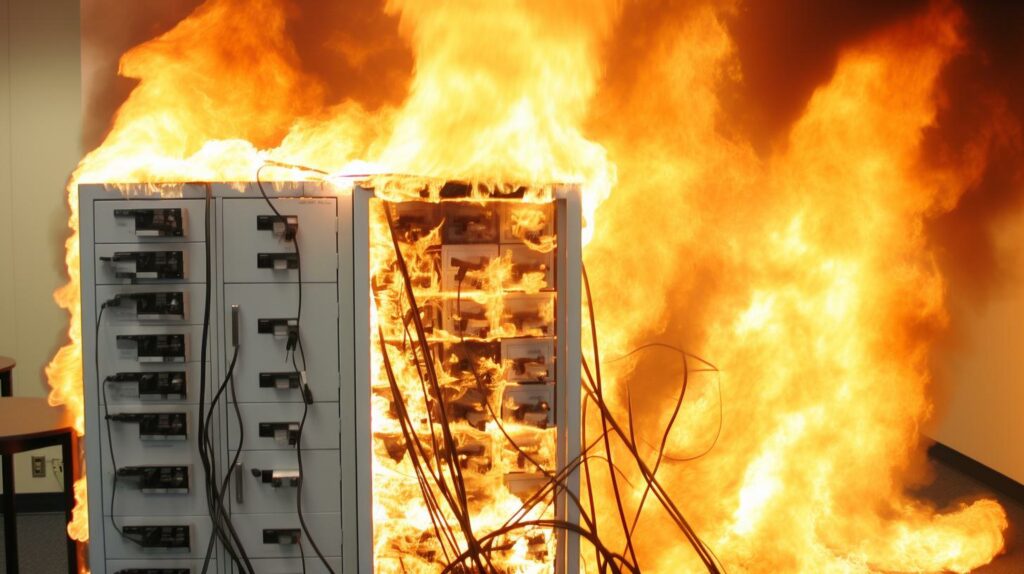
(803, 274)
(823, 294)
(405, 536)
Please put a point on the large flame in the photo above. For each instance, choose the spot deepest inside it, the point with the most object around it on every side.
(804, 274)
(807, 278)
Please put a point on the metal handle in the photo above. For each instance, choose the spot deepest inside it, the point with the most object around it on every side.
(239, 497)
(235, 309)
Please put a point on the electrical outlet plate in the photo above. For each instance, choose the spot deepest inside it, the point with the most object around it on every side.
(38, 467)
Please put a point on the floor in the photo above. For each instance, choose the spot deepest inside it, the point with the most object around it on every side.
(40, 534)
(951, 486)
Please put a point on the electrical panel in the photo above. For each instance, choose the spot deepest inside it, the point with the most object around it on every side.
(271, 279)
(230, 345)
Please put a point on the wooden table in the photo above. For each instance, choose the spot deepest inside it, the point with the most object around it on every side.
(29, 424)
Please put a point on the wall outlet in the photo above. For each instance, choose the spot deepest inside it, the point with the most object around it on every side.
(38, 467)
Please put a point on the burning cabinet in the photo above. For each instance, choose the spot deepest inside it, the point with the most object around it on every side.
(474, 376)
(286, 372)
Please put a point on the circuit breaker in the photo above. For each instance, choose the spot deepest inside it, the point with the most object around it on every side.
(267, 283)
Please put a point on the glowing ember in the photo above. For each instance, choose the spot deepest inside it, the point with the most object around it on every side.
(804, 275)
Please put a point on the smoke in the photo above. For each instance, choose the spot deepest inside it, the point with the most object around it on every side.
(108, 30)
(788, 48)
(983, 108)
(344, 51)
(353, 48)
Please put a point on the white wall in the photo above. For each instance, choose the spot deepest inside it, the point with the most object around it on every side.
(40, 144)
(982, 412)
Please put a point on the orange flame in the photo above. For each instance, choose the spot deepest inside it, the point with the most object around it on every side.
(822, 294)
(804, 275)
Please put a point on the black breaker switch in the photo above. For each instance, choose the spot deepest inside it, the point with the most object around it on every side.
(136, 265)
(159, 348)
(155, 306)
(278, 478)
(282, 433)
(285, 226)
(279, 380)
(157, 426)
(170, 537)
(158, 479)
(281, 536)
(166, 222)
(279, 328)
(154, 385)
(277, 261)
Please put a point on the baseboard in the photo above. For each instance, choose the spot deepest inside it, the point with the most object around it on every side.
(978, 471)
(39, 502)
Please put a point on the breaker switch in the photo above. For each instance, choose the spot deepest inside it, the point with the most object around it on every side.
(474, 457)
(468, 223)
(157, 426)
(283, 433)
(535, 414)
(473, 360)
(527, 321)
(279, 381)
(279, 328)
(531, 368)
(158, 348)
(473, 323)
(158, 479)
(284, 536)
(277, 261)
(529, 404)
(154, 385)
(284, 226)
(414, 220)
(464, 266)
(136, 265)
(525, 484)
(155, 306)
(171, 537)
(529, 223)
(278, 477)
(521, 269)
(165, 222)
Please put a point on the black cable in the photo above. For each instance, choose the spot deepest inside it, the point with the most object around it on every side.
(219, 511)
(439, 524)
(556, 483)
(659, 491)
(415, 450)
(298, 490)
(307, 397)
(462, 514)
(593, 389)
(604, 424)
(710, 369)
(106, 417)
(226, 533)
